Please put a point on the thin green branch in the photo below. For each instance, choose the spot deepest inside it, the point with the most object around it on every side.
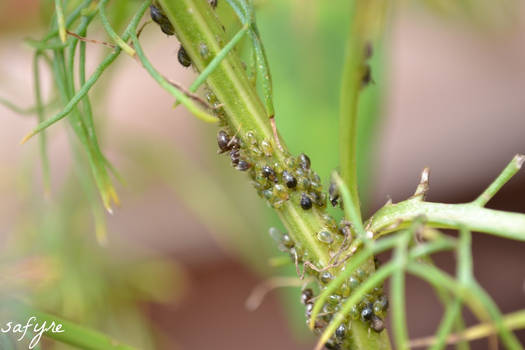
(179, 95)
(393, 217)
(351, 208)
(475, 298)
(366, 18)
(108, 60)
(464, 276)
(41, 117)
(509, 171)
(245, 11)
(73, 16)
(60, 20)
(397, 291)
(512, 321)
(218, 59)
(111, 32)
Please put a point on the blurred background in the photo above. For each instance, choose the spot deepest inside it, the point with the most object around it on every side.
(189, 242)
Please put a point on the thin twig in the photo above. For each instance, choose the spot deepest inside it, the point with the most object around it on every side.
(507, 173)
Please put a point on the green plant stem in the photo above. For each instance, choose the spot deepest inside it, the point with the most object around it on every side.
(475, 298)
(108, 60)
(351, 208)
(397, 291)
(366, 19)
(60, 20)
(246, 112)
(73, 334)
(73, 16)
(512, 321)
(179, 95)
(393, 217)
(40, 114)
(218, 59)
(111, 32)
(509, 171)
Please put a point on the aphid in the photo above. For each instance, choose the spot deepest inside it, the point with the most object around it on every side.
(326, 277)
(367, 313)
(340, 332)
(183, 57)
(306, 296)
(309, 308)
(304, 161)
(377, 324)
(250, 137)
(213, 3)
(269, 173)
(203, 50)
(289, 180)
(243, 165)
(353, 282)
(235, 156)
(325, 237)
(332, 346)
(281, 192)
(223, 141)
(266, 147)
(158, 16)
(333, 192)
(306, 202)
(367, 76)
(382, 302)
(319, 198)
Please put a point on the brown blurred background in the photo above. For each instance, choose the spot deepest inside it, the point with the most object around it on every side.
(454, 101)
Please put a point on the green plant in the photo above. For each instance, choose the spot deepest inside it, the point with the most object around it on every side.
(339, 258)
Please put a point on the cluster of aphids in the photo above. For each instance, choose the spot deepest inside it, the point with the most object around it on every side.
(274, 182)
(158, 16)
(294, 180)
(371, 309)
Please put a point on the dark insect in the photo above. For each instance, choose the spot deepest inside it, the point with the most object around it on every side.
(367, 313)
(243, 165)
(309, 308)
(306, 296)
(289, 180)
(287, 241)
(213, 3)
(223, 141)
(269, 173)
(333, 193)
(306, 202)
(340, 332)
(377, 323)
(183, 57)
(235, 156)
(158, 16)
(304, 161)
(367, 76)
(326, 277)
(332, 346)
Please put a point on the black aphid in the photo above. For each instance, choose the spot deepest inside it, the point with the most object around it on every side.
(289, 179)
(306, 202)
(304, 161)
(183, 57)
(158, 16)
